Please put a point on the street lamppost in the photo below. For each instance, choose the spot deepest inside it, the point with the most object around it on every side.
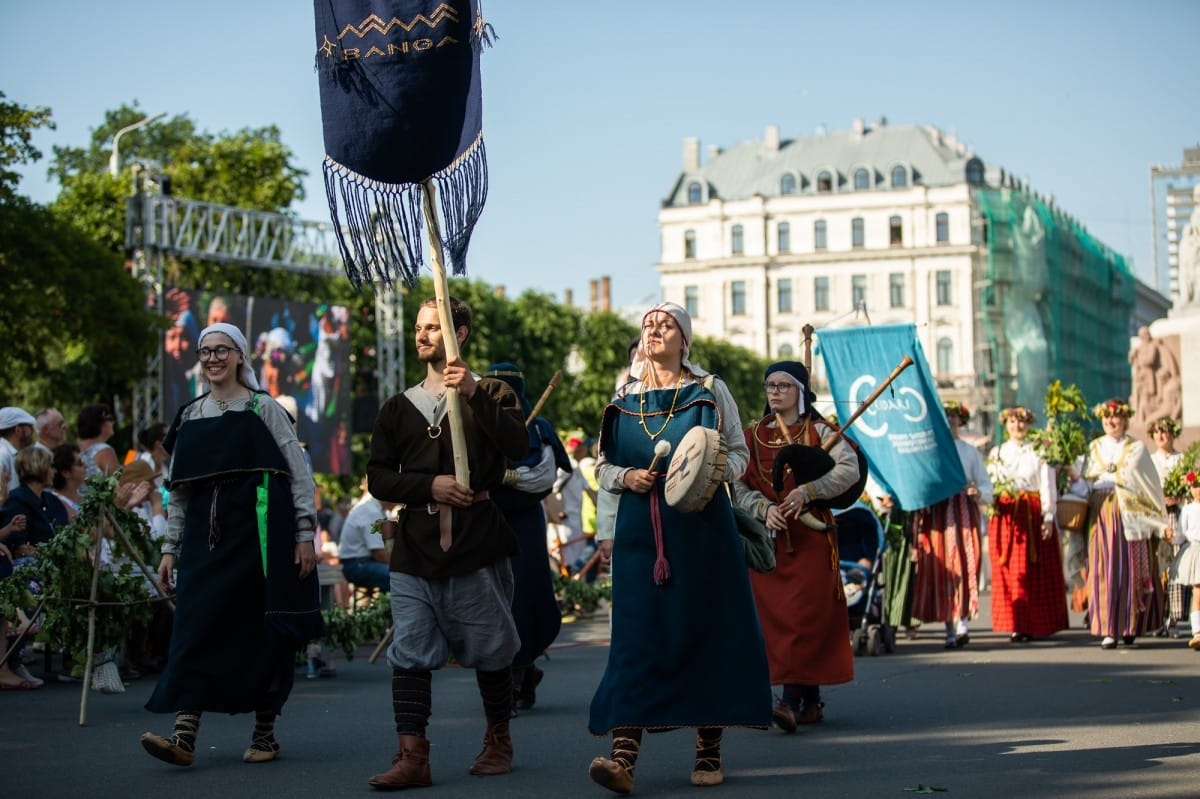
(114, 159)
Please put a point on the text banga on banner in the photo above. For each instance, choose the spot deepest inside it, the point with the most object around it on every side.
(401, 107)
(904, 433)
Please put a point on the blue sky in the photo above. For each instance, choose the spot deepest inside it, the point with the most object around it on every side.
(586, 105)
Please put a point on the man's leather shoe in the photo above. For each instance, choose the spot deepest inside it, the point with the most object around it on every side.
(783, 716)
(410, 766)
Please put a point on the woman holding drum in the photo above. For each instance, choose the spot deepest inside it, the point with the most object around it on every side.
(686, 646)
(801, 604)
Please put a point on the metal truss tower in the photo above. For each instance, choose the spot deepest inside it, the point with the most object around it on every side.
(160, 226)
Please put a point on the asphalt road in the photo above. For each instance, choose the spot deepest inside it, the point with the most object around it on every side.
(1058, 718)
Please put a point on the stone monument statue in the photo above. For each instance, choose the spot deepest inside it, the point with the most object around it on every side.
(1157, 386)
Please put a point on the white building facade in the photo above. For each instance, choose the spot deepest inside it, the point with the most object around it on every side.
(874, 223)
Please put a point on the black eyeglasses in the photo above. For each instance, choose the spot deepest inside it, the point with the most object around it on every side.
(778, 388)
(220, 352)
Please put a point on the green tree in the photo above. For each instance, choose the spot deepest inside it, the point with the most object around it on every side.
(741, 370)
(17, 125)
(250, 168)
(76, 324)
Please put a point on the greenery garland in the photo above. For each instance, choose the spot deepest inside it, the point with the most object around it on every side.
(60, 577)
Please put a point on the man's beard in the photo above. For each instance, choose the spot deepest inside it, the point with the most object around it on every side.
(432, 356)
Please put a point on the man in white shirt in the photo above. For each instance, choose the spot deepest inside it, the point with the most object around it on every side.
(361, 551)
(16, 433)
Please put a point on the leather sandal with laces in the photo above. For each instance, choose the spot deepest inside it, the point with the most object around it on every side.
(167, 750)
(611, 775)
(262, 750)
(708, 771)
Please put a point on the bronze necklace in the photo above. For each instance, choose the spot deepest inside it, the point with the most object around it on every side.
(670, 411)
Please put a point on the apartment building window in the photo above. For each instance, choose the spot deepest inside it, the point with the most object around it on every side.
(896, 289)
(942, 226)
(862, 179)
(944, 286)
(819, 234)
(899, 177)
(824, 182)
(737, 298)
(821, 294)
(691, 300)
(787, 184)
(857, 232)
(784, 302)
(945, 357)
(689, 244)
(784, 233)
(695, 193)
(895, 231)
(858, 290)
(737, 242)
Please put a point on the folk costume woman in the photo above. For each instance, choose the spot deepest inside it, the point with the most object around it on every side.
(1028, 592)
(686, 646)
(1164, 431)
(947, 544)
(801, 604)
(1125, 509)
(240, 523)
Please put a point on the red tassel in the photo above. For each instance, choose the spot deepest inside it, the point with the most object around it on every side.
(662, 569)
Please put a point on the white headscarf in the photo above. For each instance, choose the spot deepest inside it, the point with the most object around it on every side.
(677, 312)
(245, 373)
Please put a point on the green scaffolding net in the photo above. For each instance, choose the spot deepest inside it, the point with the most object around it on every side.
(1055, 303)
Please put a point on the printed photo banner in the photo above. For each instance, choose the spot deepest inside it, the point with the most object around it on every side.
(904, 433)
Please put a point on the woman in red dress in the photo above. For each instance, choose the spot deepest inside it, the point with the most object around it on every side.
(801, 604)
(1028, 592)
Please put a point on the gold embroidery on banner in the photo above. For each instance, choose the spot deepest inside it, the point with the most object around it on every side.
(374, 23)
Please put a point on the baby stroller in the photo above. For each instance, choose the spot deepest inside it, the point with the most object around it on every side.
(860, 537)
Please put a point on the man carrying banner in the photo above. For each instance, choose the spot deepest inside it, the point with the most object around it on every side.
(451, 583)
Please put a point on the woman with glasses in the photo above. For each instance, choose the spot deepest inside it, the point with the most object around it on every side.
(70, 472)
(801, 604)
(686, 647)
(95, 427)
(240, 523)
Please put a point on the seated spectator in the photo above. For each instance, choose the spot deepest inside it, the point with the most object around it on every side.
(34, 500)
(69, 474)
(95, 427)
(361, 551)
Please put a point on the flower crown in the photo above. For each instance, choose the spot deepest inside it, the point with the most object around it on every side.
(957, 409)
(1190, 478)
(1166, 425)
(1113, 407)
(1018, 412)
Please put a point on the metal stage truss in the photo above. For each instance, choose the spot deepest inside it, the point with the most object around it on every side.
(159, 226)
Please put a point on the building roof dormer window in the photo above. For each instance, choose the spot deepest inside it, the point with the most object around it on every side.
(695, 193)
(862, 179)
(787, 183)
(899, 177)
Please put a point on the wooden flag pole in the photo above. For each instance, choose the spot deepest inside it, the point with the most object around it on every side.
(441, 291)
